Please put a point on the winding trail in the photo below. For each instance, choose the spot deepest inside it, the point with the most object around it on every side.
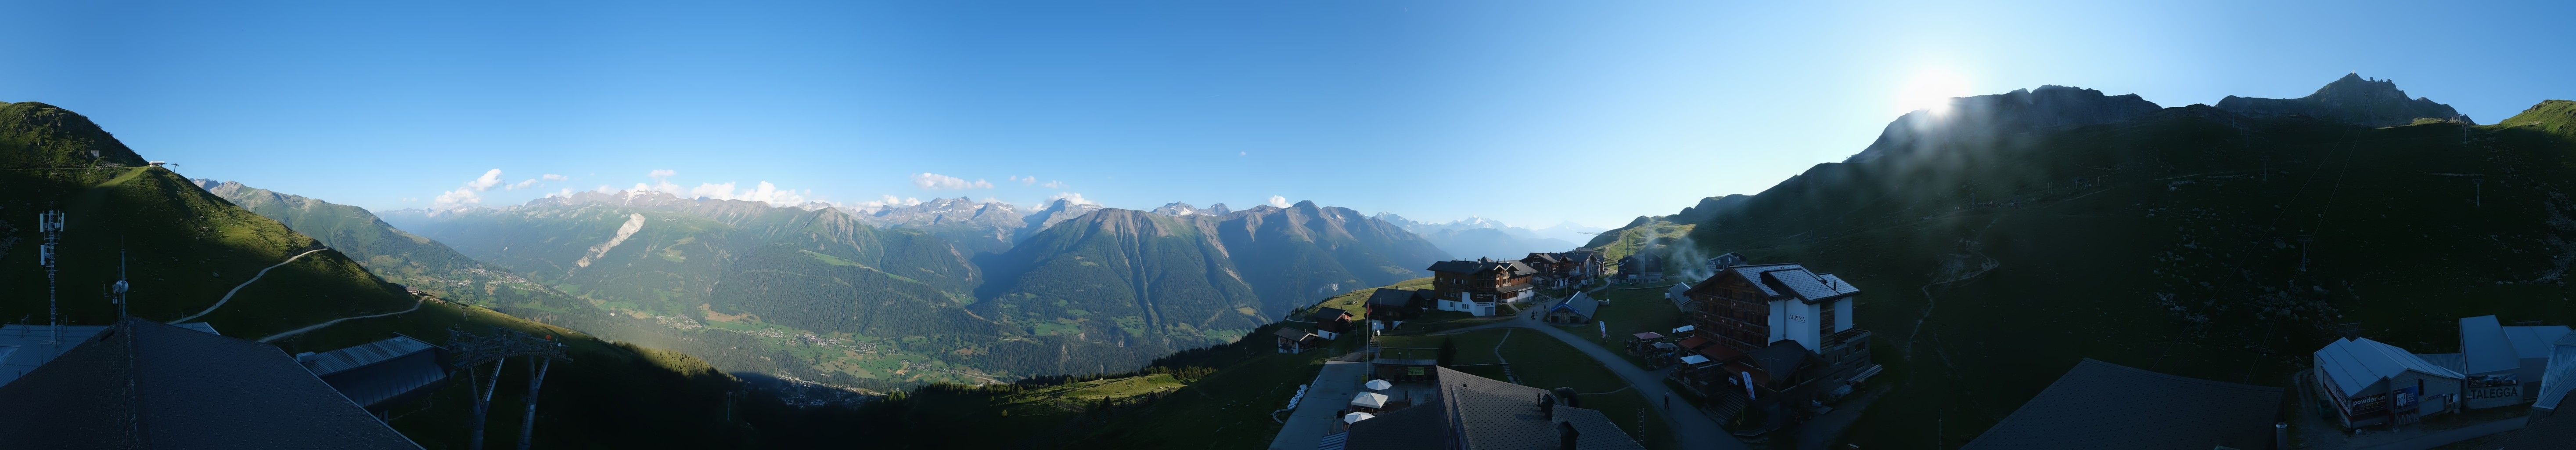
(415, 306)
(228, 295)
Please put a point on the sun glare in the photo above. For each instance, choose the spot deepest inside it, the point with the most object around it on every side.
(1931, 90)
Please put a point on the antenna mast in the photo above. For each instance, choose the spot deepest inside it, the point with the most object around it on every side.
(50, 223)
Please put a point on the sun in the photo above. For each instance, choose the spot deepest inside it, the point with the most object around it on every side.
(1931, 90)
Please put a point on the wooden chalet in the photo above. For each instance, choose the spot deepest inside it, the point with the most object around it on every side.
(1330, 323)
(1476, 286)
(1390, 307)
(1293, 340)
(1778, 336)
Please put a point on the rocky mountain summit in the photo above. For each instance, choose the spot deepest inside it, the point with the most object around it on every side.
(2351, 99)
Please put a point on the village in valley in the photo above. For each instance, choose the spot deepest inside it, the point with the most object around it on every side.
(1568, 350)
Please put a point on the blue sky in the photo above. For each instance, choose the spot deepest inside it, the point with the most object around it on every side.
(1420, 108)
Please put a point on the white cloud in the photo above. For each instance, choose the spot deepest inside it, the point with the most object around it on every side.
(604, 189)
(889, 201)
(410, 199)
(762, 192)
(1071, 197)
(662, 173)
(1279, 201)
(554, 177)
(1054, 184)
(484, 183)
(455, 199)
(1025, 180)
(927, 180)
(466, 195)
(522, 184)
(1242, 153)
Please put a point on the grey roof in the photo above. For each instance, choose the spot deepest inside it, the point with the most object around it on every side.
(1581, 304)
(1291, 333)
(1392, 297)
(145, 384)
(1794, 281)
(1546, 257)
(2483, 346)
(1482, 413)
(2533, 342)
(373, 373)
(23, 346)
(2100, 405)
(2356, 363)
(1323, 314)
(1509, 268)
(1781, 359)
(334, 361)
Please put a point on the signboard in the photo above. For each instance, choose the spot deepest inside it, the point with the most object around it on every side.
(2406, 396)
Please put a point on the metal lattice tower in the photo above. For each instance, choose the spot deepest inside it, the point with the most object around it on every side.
(467, 350)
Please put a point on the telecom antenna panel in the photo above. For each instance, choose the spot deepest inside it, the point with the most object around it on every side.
(50, 223)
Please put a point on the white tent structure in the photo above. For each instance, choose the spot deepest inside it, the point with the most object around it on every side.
(1378, 385)
(2560, 378)
(1371, 400)
(1356, 417)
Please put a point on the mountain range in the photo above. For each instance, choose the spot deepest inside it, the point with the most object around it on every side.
(2013, 235)
(190, 255)
(949, 290)
(1476, 237)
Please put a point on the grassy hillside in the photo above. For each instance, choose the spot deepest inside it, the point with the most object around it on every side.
(2190, 241)
(398, 256)
(184, 248)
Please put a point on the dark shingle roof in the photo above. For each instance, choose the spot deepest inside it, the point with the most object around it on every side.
(1485, 414)
(1545, 257)
(1290, 333)
(2101, 405)
(1509, 268)
(1455, 266)
(1391, 297)
(145, 384)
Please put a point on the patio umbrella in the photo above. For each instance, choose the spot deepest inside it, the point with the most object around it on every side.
(1356, 417)
(1378, 385)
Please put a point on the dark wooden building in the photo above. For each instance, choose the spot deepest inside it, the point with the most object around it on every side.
(1476, 286)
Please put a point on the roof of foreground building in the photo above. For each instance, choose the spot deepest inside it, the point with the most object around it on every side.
(2100, 405)
(145, 384)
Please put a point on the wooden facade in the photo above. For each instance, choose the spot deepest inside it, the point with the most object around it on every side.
(1731, 312)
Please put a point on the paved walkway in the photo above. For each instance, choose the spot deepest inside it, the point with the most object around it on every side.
(1693, 429)
(1314, 416)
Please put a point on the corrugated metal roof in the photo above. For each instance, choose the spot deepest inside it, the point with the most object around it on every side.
(375, 372)
(334, 361)
(2484, 348)
(2533, 342)
(2354, 364)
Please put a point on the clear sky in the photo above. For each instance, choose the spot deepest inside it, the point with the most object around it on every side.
(1528, 112)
